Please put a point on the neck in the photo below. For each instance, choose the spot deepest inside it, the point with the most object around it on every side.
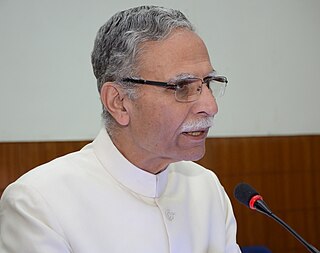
(139, 158)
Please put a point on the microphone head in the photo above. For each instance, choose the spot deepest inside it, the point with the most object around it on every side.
(244, 194)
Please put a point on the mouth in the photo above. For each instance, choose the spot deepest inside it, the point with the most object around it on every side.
(198, 134)
(194, 133)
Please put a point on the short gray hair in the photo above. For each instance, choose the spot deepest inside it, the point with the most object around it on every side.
(117, 44)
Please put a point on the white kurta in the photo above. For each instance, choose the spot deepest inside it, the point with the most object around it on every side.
(95, 201)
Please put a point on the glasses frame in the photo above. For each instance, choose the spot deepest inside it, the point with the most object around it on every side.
(174, 86)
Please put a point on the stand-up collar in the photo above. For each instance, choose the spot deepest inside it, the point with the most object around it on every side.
(127, 174)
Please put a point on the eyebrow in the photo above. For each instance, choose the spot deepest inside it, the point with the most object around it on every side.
(182, 76)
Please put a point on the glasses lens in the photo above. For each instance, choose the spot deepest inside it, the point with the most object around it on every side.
(188, 90)
(217, 88)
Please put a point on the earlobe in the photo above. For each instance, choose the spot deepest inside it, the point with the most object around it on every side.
(112, 98)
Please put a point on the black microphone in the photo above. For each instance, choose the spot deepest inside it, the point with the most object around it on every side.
(248, 196)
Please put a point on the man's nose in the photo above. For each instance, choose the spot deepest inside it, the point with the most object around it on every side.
(206, 103)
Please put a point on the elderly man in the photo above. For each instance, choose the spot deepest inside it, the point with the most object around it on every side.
(134, 188)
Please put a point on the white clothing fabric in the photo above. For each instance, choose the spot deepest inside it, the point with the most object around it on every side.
(96, 201)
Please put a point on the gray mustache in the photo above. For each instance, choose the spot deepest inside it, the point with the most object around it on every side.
(199, 124)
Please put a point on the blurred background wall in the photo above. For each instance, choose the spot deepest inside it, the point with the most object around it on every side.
(269, 50)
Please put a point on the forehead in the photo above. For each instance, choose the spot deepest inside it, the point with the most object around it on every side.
(183, 51)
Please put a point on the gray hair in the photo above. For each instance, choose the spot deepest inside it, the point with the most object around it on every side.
(117, 45)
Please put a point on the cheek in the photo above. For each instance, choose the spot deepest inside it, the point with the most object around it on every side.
(169, 128)
(157, 119)
(160, 125)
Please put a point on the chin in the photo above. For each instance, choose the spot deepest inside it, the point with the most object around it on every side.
(194, 156)
(197, 158)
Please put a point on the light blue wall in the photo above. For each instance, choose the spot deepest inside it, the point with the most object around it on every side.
(268, 49)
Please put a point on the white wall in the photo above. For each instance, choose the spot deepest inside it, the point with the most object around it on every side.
(268, 49)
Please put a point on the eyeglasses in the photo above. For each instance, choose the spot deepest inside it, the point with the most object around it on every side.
(189, 89)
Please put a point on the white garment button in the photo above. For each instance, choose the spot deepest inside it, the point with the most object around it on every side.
(169, 214)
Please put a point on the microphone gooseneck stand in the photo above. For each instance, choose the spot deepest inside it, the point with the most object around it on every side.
(261, 206)
(248, 196)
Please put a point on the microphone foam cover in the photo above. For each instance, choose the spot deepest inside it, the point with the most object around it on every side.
(244, 193)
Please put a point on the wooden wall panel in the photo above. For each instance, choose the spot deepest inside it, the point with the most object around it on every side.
(285, 170)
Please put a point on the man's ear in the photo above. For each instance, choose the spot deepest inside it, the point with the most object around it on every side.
(112, 98)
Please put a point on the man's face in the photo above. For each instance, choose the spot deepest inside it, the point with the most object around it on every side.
(155, 137)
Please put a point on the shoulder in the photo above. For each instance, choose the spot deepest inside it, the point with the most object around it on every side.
(69, 168)
(57, 182)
